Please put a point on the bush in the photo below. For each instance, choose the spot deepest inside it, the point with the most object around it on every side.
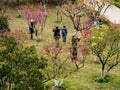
(117, 3)
(57, 1)
(4, 24)
(107, 79)
(106, 21)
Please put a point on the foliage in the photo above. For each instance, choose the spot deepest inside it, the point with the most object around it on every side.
(20, 66)
(104, 43)
(39, 17)
(81, 79)
(13, 2)
(100, 6)
(117, 3)
(19, 35)
(61, 64)
(76, 12)
(4, 24)
(60, 1)
(105, 80)
(106, 21)
(31, 13)
(83, 16)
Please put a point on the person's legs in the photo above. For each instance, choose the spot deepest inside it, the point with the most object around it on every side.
(31, 33)
(64, 38)
(57, 41)
(31, 36)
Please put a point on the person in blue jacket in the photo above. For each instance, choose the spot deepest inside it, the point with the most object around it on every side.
(64, 33)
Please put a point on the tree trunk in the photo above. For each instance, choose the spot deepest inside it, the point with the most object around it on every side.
(60, 17)
(1, 86)
(36, 33)
(57, 18)
(75, 32)
(103, 73)
(19, 12)
(119, 45)
(40, 36)
(95, 58)
(9, 85)
(58, 82)
(45, 8)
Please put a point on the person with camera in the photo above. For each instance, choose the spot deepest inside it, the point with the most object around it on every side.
(31, 28)
(74, 52)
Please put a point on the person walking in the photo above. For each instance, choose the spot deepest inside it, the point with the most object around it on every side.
(31, 28)
(64, 33)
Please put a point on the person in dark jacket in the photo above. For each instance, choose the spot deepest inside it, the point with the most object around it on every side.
(31, 28)
(56, 31)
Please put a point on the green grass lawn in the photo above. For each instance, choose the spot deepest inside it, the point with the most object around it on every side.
(82, 80)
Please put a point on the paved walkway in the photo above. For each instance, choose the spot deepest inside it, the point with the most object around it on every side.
(113, 14)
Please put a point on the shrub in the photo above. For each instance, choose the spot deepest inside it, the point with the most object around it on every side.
(106, 21)
(4, 24)
(108, 78)
(117, 3)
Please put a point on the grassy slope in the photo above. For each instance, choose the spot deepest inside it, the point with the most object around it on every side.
(82, 80)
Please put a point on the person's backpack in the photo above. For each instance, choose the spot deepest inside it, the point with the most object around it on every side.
(30, 27)
(63, 32)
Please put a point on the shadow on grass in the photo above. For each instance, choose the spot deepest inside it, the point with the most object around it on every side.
(108, 78)
(59, 88)
(19, 16)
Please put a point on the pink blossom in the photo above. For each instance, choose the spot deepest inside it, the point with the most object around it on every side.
(87, 32)
(90, 20)
(37, 15)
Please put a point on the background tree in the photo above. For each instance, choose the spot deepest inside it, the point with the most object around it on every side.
(99, 5)
(61, 63)
(39, 18)
(44, 4)
(83, 13)
(77, 13)
(20, 66)
(59, 8)
(3, 6)
(18, 8)
(3, 25)
(105, 45)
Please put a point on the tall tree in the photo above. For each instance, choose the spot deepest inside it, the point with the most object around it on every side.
(3, 6)
(83, 12)
(77, 13)
(100, 5)
(18, 7)
(20, 67)
(38, 17)
(62, 63)
(105, 44)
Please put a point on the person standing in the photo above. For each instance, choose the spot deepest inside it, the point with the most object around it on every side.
(31, 28)
(64, 33)
(74, 49)
(56, 31)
